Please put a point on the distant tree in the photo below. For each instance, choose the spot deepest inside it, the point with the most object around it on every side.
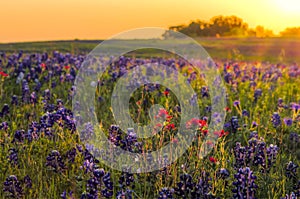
(222, 26)
(251, 32)
(228, 26)
(269, 33)
(291, 32)
(216, 26)
(259, 31)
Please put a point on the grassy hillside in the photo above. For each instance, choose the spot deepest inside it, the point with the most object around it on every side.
(273, 50)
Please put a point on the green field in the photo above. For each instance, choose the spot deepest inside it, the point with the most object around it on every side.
(47, 147)
(273, 50)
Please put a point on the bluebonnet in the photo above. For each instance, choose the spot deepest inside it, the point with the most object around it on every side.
(253, 134)
(166, 193)
(47, 94)
(37, 86)
(240, 155)
(185, 186)
(25, 92)
(244, 184)
(12, 187)
(253, 84)
(288, 121)
(223, 173)
(89, 165)
(19, 136)
(130, 141)
(94, 184)
(55, 161)
(237, 70)
(107, 193)
(236, 103)
(14, 100)
(33, 131)
(126, 179)
(127, 194)
(13, 156)
(276, 120)
(272, 152)
(99, 173)
(280, 102)
(33, 98)
(5, 110)
(257, 94)
(290, 196)
(107, 181)
(203, 187)
(291, 170)
(234, 123)
(71, 155)
(227, 125)
(27, 181)
(92, 188)
(66, 195)
(228, 77)
(208, 109)
(4, 126)
(204, 91)
(59, 103)
(255, 153)
(295, 107)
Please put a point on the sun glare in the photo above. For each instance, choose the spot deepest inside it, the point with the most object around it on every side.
(290, 6)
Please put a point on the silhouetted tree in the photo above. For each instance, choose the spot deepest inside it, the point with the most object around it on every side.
(291, 32)
(220, 26)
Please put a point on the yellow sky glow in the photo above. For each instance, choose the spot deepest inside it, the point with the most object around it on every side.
(35, 20)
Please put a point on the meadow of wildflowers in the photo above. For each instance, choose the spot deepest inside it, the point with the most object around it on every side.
(43, 155)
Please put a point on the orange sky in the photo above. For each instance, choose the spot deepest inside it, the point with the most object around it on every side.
(36, 20)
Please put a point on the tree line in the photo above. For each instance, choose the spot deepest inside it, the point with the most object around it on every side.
(223, 26)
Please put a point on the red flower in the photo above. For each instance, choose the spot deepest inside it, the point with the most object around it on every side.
(221, 133)
(228, 109)
(212, 159)
(169, 117)
(3, 74)
(205, 132)
(67, 67)
(166, 93)
(43, 65)
(163, 113)
(196, 122)
(170, 126)
(202, 123)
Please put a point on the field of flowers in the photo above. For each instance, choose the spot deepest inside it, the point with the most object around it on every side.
(42, 154)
